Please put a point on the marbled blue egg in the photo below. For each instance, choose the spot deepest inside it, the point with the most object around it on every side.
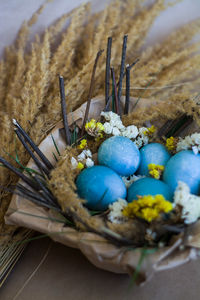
(149, 186)
(183, 166)
(153, 153)
(100, 186)
(120, 154)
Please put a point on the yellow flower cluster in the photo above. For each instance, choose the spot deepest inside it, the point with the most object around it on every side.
(171, 143)
(94, 128)
(150, 131)
(155, 170)
(83, 144)
(147, 207)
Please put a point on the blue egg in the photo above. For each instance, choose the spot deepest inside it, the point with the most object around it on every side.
(153, 153)
(120, 154)
(100, 186)
(183, 166)
(149, 186)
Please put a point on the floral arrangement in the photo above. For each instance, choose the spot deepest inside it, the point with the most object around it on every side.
(121, 215)
(127, 184)
(147, 207)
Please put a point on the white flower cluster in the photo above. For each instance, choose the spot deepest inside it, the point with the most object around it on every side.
(114, 126)
(189, 202)
(189, 142)
(130, 179)
(85, 157)
(115, 215)
(142, 139)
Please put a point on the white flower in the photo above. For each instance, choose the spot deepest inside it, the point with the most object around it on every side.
(74, 162)
(130, 179)
(109, 115)
(89, 162)
(114, 121)
(183, 144)
(115, 127)
(110, 129)
(189, 142)
(81, 156)
(107, 128)
(84, 155)
(189, 202)
(195, 137)
(141, 141)
(117, 123)
(115, 131)
(115, 215)
(88, 153)
(130, 132)
(142, 130)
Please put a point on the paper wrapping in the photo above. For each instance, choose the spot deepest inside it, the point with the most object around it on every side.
(98, 250)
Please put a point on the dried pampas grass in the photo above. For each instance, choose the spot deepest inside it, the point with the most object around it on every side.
(29, 88)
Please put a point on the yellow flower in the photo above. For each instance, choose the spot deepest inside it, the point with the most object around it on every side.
(155, 170)
(164, 206)
(150, 131)
(150, 214)
(99, 126)
(90, 125)
(99, 137)
(83, 144)
(147, 207)
(131, 210)
(171, 143)
(94, 128)
(80, 166)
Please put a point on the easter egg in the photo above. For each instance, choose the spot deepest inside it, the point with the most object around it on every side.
(149, 186)
(120, 154)
(183, 166)
(100, 186)
(153, 153)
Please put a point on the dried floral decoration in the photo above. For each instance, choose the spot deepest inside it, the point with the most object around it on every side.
(29, 93)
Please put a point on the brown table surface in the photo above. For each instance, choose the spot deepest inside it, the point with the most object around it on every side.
(66, 274)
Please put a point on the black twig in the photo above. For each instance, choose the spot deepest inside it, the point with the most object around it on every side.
(31, 193)
(90, 91)
(35, 148)
(18, 173)
(115, 90)
(41, 167)
(108, 104)
(130, 67)
(39, 200)
(134, 63)
(123, 59)
(107, 76)
(110, 97)
(127, 100)
(64, 110)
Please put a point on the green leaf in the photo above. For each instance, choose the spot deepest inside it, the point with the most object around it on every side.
(55, 157)
(55, 145)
